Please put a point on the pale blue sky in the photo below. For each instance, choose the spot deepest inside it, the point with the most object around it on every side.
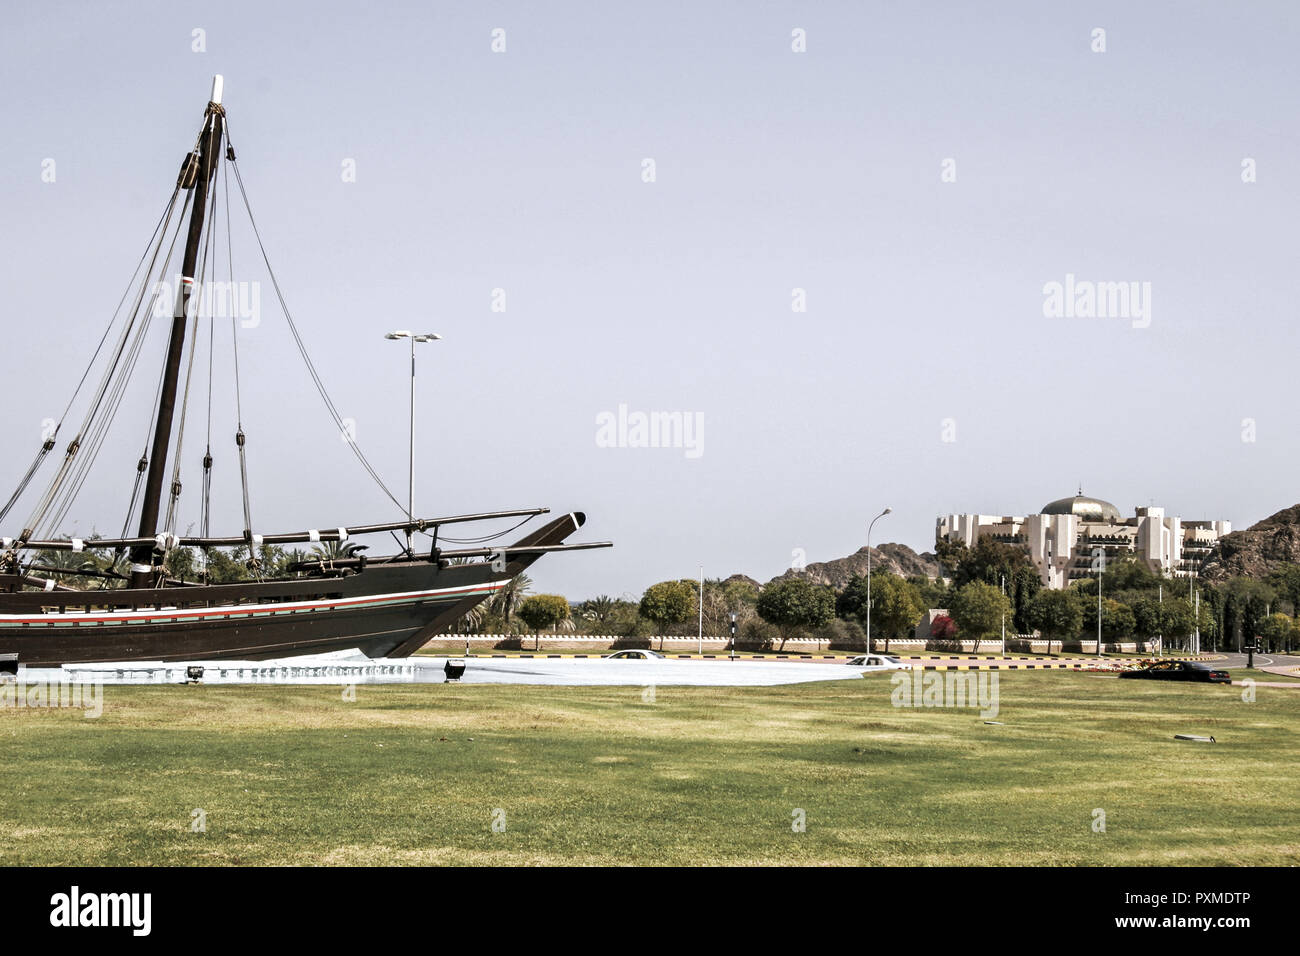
(775, 170)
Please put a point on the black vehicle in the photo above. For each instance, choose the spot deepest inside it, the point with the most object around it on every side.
(1180, 670)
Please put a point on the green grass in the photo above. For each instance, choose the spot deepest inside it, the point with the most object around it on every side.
(701, 775)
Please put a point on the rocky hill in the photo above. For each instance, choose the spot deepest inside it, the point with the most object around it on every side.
(898, 558)
(1257, 550)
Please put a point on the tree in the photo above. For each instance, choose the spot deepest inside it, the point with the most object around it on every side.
(979, 609)
(896, 604)
(668, 603)
(64, 565)
(1149, 619)
(933, 591)
(793, 603)
(943, 628)
(1056, 615)
(1245, 605)
(1285, 580)
(226, 567)
(543, 610)
(1179, 618)
(1117, 619)
(1129, 573)
(739, 596)
(1172, 619)
(507, 601)
(328, 551)
(995, 563)
(598, 611)
(1276, 631)
(180, 564)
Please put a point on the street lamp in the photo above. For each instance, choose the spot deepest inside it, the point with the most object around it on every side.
(869, 527)
(1100, 560)
(415, 337)
(701, 610)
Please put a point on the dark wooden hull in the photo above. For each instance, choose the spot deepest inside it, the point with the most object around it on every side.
(385, 609)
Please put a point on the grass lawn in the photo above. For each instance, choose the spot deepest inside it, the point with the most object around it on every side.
(699, 775)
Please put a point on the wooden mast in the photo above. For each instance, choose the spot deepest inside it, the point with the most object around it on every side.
(196, 174)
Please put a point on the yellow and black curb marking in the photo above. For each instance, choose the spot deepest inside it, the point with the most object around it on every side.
(684, 657)
(1082, 665)
(1006, 664)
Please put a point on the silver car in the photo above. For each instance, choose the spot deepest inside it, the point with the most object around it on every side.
(878, 662)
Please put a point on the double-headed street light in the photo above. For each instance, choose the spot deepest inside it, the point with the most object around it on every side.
(415, 338)
(869, 527)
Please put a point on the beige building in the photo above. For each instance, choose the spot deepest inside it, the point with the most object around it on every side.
(1066, 537)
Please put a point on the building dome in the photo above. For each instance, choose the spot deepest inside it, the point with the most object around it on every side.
(1087, 509)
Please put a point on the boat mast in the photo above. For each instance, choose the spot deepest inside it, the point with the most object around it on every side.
(196, 174)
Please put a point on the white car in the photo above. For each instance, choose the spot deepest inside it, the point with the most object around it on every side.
(634, 655)
(878, 662)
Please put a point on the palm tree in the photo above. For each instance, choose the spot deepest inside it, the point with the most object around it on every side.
(598, 610)
(506, 601)
(330, 551)
(472, 619)
(71, 562)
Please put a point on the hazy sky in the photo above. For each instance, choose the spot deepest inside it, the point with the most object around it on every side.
(774, 171)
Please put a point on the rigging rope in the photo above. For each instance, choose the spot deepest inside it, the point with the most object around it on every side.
(485, 538)
(48, 444)
(112, 386)
(297, 337)
(107, 398)
(240, 437)
(111, 374)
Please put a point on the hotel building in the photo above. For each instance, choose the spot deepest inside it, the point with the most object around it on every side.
(1065, 537)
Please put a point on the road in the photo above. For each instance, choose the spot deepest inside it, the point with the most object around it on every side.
(1233, 660)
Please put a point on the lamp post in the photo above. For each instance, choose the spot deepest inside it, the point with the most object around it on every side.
(1160, 596)
(1004, 618)
(1101, 569)
(869, 527)
(415, 337)
(701, 632)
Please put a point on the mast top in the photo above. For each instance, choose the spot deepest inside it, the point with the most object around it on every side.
(217, 82)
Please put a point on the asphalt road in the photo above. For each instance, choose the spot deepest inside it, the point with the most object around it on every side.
(1231, 660)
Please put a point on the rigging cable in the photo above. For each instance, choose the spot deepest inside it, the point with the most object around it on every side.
(240, 437)
(485, 538)
(49, 442)
(111, 387)
(302, 348)
(52, 490)
(111, 402)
